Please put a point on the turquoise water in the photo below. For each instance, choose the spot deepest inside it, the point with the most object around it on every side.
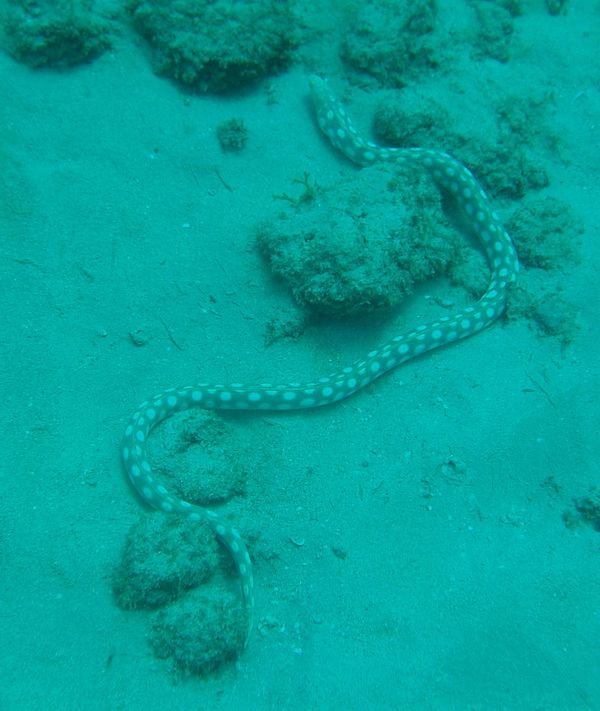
(416, 545)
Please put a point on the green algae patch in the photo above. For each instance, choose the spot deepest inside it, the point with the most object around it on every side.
(216, 46)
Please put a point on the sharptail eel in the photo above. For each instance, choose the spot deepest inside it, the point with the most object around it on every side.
(452, 177)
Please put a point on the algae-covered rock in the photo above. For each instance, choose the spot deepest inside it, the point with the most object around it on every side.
(199, 458)
(392, 40)
(547, 236)
(167, 563)
(216, 45)
(362, 244)
(546, 233)
(542, 303)
(200, 632)
(54, 33)
(495, 28)
(588, 508)
(163, 557)
(232, 135)
(506, 158)
(406, 120)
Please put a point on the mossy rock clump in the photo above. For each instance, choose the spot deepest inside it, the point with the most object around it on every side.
(232, 135)
(547, 237)
(199, 458)
(56, 34)
(216, 45)
(177, 565)
(392, 41)
(505, 155)
(200, 632)
(363, 244)
(163, 557)
(546, 233)
(495, 28)
(586, 510)
(406, 120)
(542, 302)
(166, 564)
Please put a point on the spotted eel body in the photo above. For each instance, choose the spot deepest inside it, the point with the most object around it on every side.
(451, 177)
